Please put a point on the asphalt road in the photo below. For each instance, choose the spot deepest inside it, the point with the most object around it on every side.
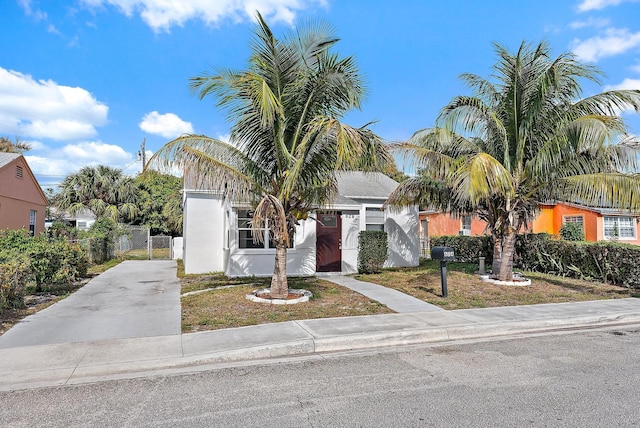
(577, 379)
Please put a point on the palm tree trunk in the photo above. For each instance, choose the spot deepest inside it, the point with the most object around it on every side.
(497, 253)
(505, 272)
(279, 286)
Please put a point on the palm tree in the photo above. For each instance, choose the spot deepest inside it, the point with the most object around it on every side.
(287, 141)
(522, 138)
(103, 190)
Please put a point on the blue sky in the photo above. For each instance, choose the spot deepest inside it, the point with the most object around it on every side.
(85, 81)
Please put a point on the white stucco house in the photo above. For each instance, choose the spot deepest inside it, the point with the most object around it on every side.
(217, 235)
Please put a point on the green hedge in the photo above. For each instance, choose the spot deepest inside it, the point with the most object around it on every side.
(372, 251)
(40, 261)
(609, 262)
(467, 248)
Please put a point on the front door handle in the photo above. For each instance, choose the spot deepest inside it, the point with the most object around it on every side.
(340, 244)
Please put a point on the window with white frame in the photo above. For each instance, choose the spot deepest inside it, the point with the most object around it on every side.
(466, 222)
(245, 235)
(32, 221)
(573, 219)
(374, 219)
(619, 227)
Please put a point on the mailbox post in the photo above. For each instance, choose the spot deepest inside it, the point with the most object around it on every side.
(444, 255)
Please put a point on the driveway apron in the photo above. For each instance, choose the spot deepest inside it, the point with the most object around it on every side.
(132, 299)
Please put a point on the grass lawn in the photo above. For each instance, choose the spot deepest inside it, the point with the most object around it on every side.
(227, 306)
(466, 290)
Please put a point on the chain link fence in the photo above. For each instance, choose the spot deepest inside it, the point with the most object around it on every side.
(159, 247)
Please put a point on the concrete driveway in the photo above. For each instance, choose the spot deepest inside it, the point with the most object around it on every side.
(133, 299)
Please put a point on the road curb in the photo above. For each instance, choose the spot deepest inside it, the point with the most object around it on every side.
(89, 371)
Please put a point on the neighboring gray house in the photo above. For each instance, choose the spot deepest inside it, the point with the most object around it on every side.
(217, 235)
(82, 220)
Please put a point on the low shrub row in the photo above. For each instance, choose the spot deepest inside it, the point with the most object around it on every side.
(609, 262)
(41, 262)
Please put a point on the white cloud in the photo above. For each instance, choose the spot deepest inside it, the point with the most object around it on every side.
(612, 42)
(45, 109)
(166, 125)
(587, 5)
(95, 152)
(161, 15)
(591, 22)
(37, 14)
(57, 163)
(625, 84)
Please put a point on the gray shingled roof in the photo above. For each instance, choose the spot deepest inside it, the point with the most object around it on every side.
(351, 185)
(6, 158)
(361, 185)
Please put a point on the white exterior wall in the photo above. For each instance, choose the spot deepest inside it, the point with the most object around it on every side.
(301, 260)
(177, 248)
(403, 239)
(204, 230)
(211, 240)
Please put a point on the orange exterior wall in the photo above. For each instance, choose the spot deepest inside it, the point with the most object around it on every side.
(551, 218)
(441, 224)
(18, 196)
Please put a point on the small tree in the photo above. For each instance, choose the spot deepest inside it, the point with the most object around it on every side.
(572, 232)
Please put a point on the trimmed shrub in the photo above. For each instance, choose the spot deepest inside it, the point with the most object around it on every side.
(372, 251)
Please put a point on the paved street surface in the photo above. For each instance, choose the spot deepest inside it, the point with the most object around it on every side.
(134, 299)
(579, 379)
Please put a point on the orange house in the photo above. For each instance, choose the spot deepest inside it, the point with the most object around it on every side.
(598, 224)
(434, 223)
(22, 201)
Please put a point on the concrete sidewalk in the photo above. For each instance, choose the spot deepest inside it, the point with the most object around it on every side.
(393, 299)
(73, 363)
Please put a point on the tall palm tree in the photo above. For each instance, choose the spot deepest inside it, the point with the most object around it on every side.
(522, 138)
(287, 141)
(103, 190)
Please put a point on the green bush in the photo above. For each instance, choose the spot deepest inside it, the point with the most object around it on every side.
(372, 251)
(572, 232)
(51, 260)
(14, 275)
(467, 248)
(102, 237)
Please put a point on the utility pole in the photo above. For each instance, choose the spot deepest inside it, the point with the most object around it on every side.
(143, 154)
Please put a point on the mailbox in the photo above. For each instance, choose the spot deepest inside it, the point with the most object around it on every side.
(443, 254)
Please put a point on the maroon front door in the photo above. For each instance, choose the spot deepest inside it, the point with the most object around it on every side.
(329, 242)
